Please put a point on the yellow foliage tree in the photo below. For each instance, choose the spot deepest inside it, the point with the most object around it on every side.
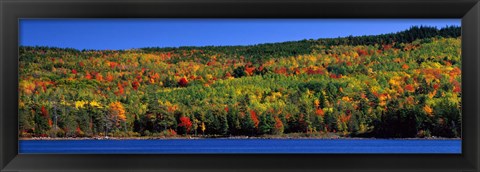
(80, 104)
(117, 111)
(203, 128)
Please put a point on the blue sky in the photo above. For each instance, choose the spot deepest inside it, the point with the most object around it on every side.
(117, 34)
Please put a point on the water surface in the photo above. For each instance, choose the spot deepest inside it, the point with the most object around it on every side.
(186, 146)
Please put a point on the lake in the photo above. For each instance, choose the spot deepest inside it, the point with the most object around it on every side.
(186, 146)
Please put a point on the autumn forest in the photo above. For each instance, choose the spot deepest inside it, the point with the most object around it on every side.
(398, 85)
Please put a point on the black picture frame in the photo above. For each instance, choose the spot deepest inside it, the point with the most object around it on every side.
(13, 10)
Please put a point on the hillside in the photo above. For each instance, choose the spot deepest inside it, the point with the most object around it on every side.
(405, 84)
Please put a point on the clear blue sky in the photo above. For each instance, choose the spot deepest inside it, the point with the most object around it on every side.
(117, 34)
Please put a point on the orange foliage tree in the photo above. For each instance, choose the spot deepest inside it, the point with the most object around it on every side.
(117, 112)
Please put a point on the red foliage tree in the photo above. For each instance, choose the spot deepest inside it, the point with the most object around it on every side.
(210, 63)
(319, 112)
(387, 47)
(78, 131)
(186, 123)
(345, 118)
(456, 87)
(362, 52)
(183, 82)
(278, 123)
(113, 65)
(228, 75)
(45, 115)
(88, 76)
(249, 70)
(254, 117)
(44, 87)
(99, 77)
(260, 68)
(335, 76)
(281, 70)
(135, 85)
(310, 71)
(409, 88)
(44, 111)
(109, 77)
(120, 89)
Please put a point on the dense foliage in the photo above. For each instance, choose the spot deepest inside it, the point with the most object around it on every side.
(405, 84)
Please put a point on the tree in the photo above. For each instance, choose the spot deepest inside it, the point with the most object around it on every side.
(117, 114)
(266, 124)
(183, 82)
(239, 72)
(203, 128)
(278, 126)
(41, 121)
(185, 124)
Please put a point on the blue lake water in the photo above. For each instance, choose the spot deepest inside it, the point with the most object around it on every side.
(189, 146)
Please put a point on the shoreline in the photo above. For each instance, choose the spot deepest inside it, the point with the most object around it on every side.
(226, 138)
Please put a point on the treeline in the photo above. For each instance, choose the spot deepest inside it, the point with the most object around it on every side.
(407, 36)
(256, 53)
(408, 89)
(261, 52)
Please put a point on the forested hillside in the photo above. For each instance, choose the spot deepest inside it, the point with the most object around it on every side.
(405, 84)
